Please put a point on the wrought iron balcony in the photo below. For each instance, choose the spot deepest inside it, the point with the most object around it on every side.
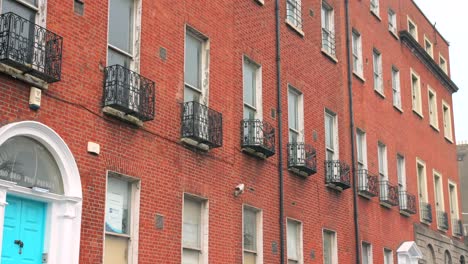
(442, 220)
(388, 194)
(129, 92)
(328, 42)
(457, 225)
(426, 212)
(30, 48)
(201, 125)
(337, 174)
(407, 203)
(368, 184)
(302, 159)
(258, 137)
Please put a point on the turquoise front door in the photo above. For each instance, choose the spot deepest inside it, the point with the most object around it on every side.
(23, 231)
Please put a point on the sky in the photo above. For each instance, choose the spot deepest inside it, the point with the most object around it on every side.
(452, 23)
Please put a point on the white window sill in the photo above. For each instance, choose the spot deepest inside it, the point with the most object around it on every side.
(295, 28)
(449, 139)
(359, 76)
(425, 222)
(394, 33)
(376, 15)
(398, 108)
(326, 53)
(441, 229)
(420, 115)
(436, 128)
(380, 93)
(260, 2)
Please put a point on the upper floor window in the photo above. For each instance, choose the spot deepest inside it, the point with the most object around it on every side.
(447, 119)
(295, 115)
(413, 29)
(401, 172)
(27, 9)
(392, 21)
(357, 53)
(361, 146)
(331, 135)
(252, 90)
(396, 88)
(438, 192)
(330, 248)
(428, 47)
(252, 235)
(375, 7)
(416, 93)
(453, 200)
(123, 20)
(422, 181)
(196, 67)
(443, 64)
(382, 156)
(328, 29)
(378, 76)
(294, 13)
(294, 242)
(194, 230)
(433, 117)
(366, 253)
(388, 256)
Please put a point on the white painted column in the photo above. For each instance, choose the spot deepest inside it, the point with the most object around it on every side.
(4, 187)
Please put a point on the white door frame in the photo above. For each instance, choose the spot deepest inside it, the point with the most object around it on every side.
(63, 220)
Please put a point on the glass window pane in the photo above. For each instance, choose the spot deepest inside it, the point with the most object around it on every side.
(28, 163)
(117, 58)
(250, 230)
(121, 24)
(118, 206)
(191, 256)
(193, 51)
(329, 135)
(191, 95)
(293, 240)
(249, 83)
(360, 147)
(19, 9)
(327, 248)
(249, 258)
(115, 249)
(192, 224)
(293, 110)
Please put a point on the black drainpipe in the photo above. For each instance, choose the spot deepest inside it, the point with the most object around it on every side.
(280, 130)
(351, 118)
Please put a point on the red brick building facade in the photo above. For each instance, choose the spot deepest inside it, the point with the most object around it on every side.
(148, 176)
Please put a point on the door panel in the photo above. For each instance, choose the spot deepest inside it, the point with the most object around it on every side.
(11, 231)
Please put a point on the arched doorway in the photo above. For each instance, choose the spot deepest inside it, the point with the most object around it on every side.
(447, 257)
(431, 258)
(462, 259)
(39, 185)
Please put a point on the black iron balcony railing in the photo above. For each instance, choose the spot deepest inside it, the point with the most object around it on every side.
(457, 225)
(302, 158)
(368, 184)
(202, 124)
(442, 220)
(258, 136)
(337, 174)
(426, 212)
(294, 13)
(388, 194)
(129, 92)
(30, 48)
(407, 203)
(328, 41)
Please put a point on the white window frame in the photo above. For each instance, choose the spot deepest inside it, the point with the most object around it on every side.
(392, 22)
(133, 216)
(383, 170)
(443, 63)
(447, 121)
(396, 88)
(336, 149)
(453, 202)
(416, 94)
(433, 109)
(357, 54)
(259, 234)
(334, 248)
(385, 251)
(204, 230)
(363, 140)
(411, 22)
(299, 225)
(438, 189)
(401, 172)
(258, 107)
(422, 183)
(203, 90)
(368, 247)
(136, 37)
(300, 114)
(329, 11)
(428, 45)
(40, 9)
(375, 7)
(377, 71)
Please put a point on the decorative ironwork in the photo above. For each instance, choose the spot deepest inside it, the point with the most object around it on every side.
(30, 48)
(337, 173)
(388, 193)
(302, 158)
(202, 124)
(294, 13)
(407, 203)
(457, 225)
(328, 41)
(259, 136)
(368, 184)
(426, 212)
(129, 92)
(442, 220)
